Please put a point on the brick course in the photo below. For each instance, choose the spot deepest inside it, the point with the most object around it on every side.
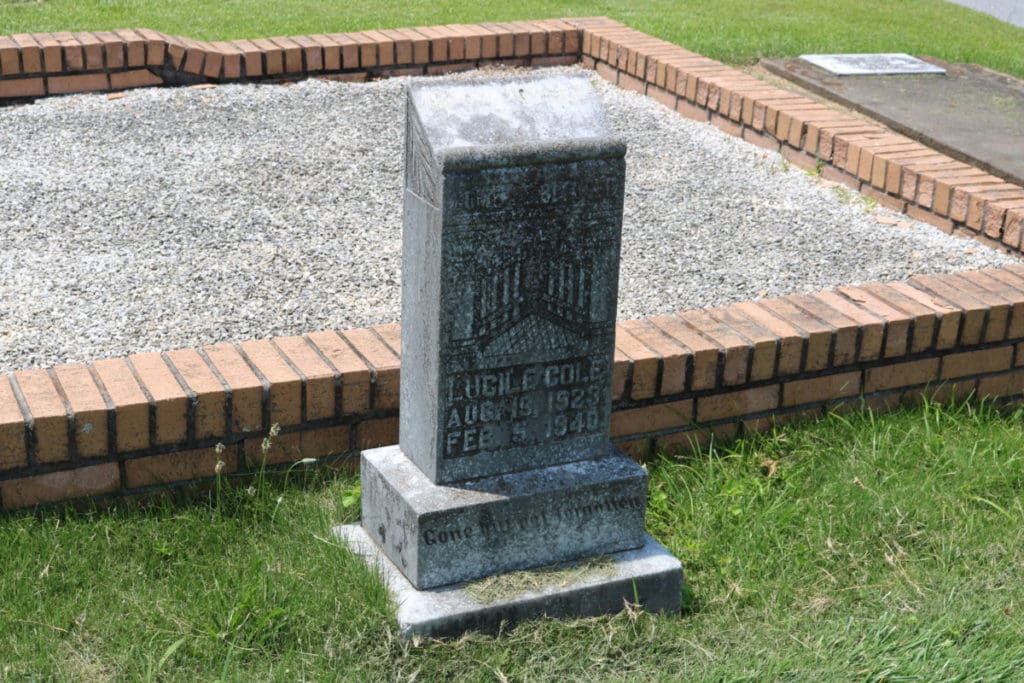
(88, 410)
(680, 377)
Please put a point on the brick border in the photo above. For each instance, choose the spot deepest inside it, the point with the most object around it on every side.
(899, 173)
(128, 426)
(896, 171)
(41, 64)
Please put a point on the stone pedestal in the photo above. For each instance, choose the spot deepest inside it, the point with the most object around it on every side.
(441, 534)
(513, 214)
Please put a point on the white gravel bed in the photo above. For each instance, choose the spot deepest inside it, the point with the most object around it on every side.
(170, 218)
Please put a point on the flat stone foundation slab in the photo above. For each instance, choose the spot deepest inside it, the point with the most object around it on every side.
(649, 575)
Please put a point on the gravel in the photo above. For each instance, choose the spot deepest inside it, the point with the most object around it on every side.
(170, 218)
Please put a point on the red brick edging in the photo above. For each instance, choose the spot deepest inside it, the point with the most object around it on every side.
(40, 64)
(898, 172)
(127, 425)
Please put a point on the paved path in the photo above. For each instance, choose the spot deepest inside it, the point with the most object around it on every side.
(1010, 11)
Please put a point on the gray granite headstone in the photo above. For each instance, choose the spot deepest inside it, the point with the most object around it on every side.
(877, 64)
(513, 214)
(649, 573)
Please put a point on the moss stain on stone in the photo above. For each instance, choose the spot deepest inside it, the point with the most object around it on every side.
(503, 587)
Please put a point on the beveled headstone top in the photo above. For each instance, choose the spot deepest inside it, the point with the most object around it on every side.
(511, 236)
(517, 112)
(876, 64)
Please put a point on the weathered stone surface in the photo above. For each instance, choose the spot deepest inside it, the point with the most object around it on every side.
(513, 214)
(536, 110)
(649, 575)
(437, 534)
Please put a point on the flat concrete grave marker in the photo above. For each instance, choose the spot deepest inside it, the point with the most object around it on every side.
(879, 64)
(512, 228)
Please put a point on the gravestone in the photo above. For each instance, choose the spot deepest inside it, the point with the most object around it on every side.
(513, 214)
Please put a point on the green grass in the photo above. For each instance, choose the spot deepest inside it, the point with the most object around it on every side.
(858, 548)
(735, 31)
(861, 547)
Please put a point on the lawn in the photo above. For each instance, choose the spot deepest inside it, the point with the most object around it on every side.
(735, 31)
(861, 547)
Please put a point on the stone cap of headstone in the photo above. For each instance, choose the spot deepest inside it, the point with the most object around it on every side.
(487, 123)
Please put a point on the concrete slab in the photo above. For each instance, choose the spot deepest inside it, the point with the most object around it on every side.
(649, 575)
(972, 114)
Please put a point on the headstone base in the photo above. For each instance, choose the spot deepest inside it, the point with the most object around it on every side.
(443, 534)
(649, 575)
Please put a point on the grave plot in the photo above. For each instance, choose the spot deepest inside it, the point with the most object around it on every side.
(240, 212)
(177, 229)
